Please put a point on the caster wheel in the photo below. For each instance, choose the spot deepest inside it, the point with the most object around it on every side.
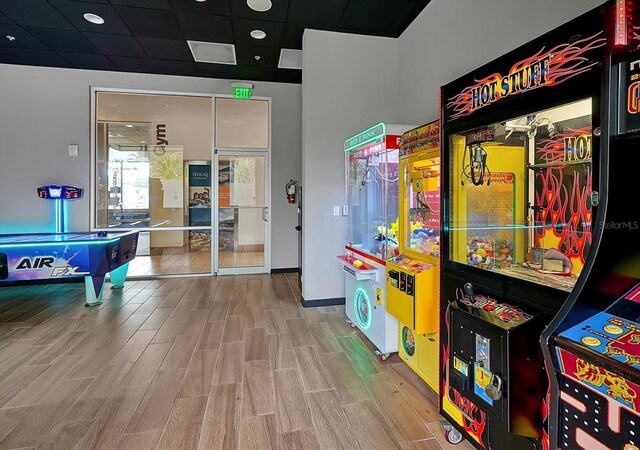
(453, 436)
(351, 324)
(384, 356)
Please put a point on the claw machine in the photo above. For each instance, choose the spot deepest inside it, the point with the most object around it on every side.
(413, 275)
(526, 144)
(592, 347)
(371, 164)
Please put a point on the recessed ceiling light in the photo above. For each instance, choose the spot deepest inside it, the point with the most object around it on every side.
(129, 125)
(201, 1)
(259, 5)
(258, 34)
(257, 57)
(11, 38)
(94, 18)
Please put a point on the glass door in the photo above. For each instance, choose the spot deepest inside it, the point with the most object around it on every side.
(242, 213)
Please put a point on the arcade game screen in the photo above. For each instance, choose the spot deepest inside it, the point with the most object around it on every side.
(422, 200)
(372, 197)
(521, 195)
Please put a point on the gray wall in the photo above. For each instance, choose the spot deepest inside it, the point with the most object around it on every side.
(43, 110)
(453, 37)
(349, 83)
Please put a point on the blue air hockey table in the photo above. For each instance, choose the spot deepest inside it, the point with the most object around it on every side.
(67, 256)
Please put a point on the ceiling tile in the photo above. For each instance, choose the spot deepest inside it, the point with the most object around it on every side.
(23, 38)
(63, 40)
(153, 4)
(242, 29)
(166, 49)
(84, 61)
(6, 55)
(36, 13)
(155, 66)
(151, 22)
(289, 76)
(74, 11)
(116, 45)
(245, 56)
(325, 13)
(38, 58)
(203, 27)
(256, 73)
(277, 13)
(216, 7)
(150, 35)
(217, 70)
(5, 19)
(292, 36)
(371, 15)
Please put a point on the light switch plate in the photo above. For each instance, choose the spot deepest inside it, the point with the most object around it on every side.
(336, 210)
(345, 210)
(73, 150)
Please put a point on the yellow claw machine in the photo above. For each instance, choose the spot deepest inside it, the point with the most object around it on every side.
(413, 276)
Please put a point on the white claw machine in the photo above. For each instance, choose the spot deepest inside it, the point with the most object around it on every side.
(372, 176)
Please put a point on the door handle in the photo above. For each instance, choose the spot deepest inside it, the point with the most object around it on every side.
(265, 214)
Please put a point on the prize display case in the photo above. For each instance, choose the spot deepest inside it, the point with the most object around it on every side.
(372, 180)
(521, 195)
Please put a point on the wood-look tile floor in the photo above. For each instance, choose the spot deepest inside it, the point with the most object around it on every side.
(226, 362)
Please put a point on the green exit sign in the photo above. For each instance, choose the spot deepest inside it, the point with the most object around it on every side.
(242, 93)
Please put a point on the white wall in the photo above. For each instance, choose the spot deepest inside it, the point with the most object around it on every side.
(451, 38)
(43, 110)
(349, 83)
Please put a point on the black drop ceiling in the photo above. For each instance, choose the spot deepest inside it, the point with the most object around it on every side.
(149, 36)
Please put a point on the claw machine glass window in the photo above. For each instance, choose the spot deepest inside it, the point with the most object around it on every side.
(372, 196)
(422, 200)
(521, 195)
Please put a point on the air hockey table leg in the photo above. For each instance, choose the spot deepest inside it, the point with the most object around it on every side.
(117, 276)
(94, 285)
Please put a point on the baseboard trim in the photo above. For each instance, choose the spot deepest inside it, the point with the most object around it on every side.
(323, 302)
(285, 270)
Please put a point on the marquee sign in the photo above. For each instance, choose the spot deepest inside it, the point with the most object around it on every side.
(543, 69)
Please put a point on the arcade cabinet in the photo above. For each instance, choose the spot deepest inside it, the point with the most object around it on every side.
(371, 164)
(592, 347)
(525, 138)
(413, 276)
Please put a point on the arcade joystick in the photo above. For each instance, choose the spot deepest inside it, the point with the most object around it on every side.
(102, 233)
(468, 290)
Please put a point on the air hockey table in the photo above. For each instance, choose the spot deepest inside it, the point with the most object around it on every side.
(67, 256)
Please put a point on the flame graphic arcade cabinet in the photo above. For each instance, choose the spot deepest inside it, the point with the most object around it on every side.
(67, 256)
(372, 180)
(592, 347)
(524, 137)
